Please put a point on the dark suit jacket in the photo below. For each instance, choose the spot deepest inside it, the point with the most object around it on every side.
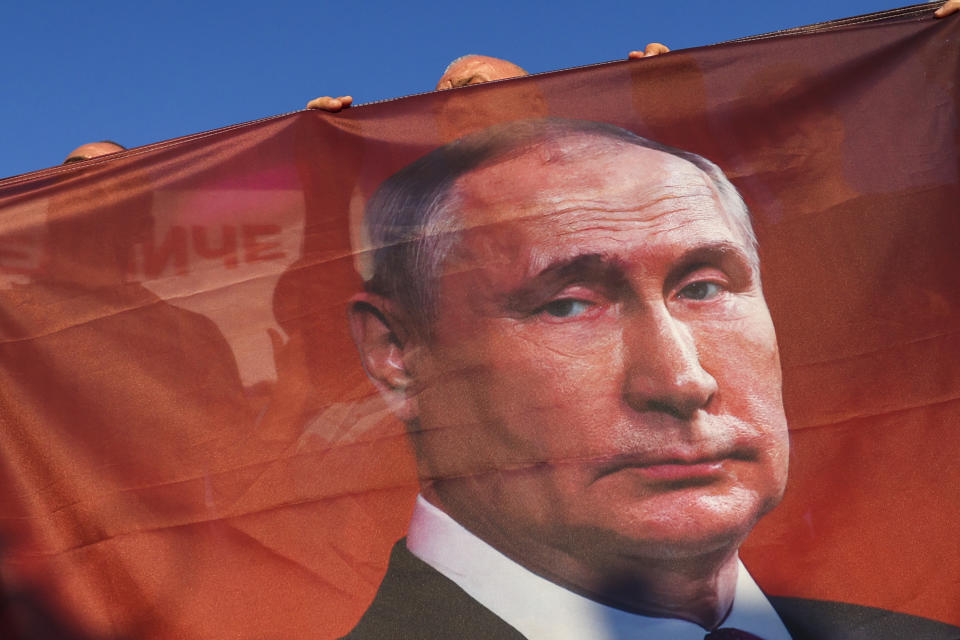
(415, 602)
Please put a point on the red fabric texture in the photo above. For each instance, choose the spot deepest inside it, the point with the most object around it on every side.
(190, 448)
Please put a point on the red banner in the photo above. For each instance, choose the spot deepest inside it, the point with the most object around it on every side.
(230, 362)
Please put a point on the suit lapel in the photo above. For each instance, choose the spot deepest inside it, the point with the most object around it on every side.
(416, 601)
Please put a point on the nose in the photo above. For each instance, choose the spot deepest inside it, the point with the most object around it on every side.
(663, 369)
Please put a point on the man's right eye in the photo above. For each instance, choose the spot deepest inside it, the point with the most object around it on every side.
(566, 307)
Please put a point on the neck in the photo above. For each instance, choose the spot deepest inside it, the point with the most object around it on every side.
(700, 589)
(696, 587)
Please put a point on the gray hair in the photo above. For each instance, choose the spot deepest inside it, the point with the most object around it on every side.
(411, 219)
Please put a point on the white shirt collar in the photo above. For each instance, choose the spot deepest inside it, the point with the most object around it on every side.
(542, 610)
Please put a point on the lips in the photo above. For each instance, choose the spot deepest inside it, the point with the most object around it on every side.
(682, 467)
(679, 472)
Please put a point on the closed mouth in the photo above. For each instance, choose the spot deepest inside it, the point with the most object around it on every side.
(676, 467)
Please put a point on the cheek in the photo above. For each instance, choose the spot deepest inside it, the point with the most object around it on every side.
(529, 396)
(566, 365)
(742, 354)
(749, 370)
(565, 396)
(745, 361)
(746, 365)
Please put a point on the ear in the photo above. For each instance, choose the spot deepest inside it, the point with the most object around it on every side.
(385, 346)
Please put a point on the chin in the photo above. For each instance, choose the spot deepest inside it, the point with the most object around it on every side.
(709, 525)
(698, 544)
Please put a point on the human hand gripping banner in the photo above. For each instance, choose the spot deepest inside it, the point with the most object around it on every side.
(648, 349)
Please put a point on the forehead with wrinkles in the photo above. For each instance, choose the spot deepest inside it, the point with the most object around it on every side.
(584, 183)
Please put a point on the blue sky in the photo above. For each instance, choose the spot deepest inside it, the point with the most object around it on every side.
(138, 73)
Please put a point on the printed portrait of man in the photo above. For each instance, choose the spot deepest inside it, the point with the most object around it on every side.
(569, 319)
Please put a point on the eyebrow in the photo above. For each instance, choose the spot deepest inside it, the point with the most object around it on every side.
(610, 272)
(593, 268)
(728, 255)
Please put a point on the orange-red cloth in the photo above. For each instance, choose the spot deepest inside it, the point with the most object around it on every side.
(189, 447)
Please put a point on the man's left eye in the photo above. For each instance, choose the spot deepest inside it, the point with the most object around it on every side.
(702, 290)
(566, 307)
